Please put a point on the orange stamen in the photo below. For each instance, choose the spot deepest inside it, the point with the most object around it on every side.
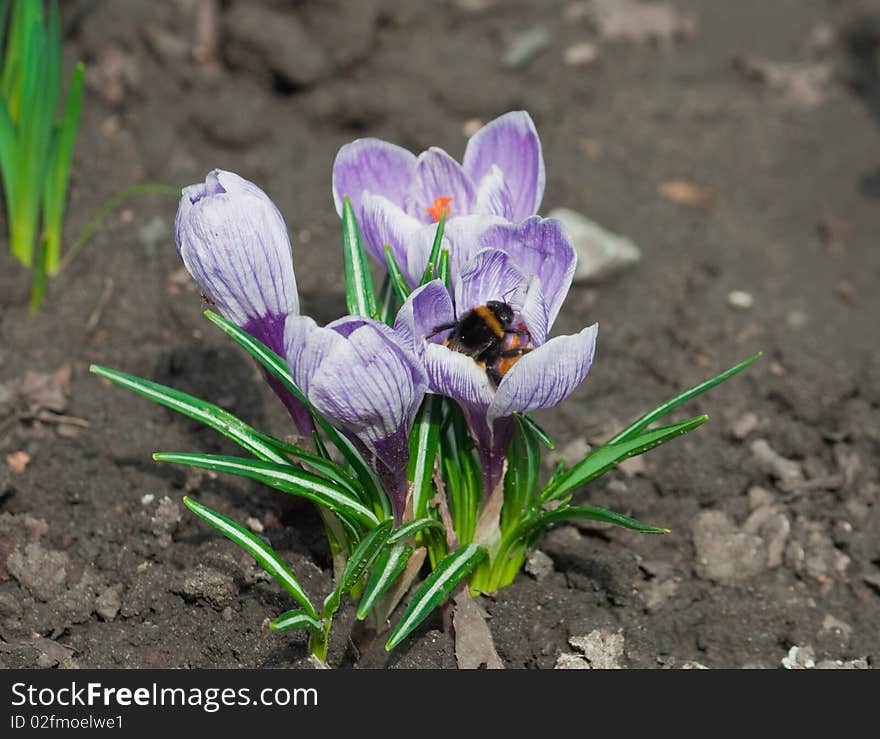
(440, 206)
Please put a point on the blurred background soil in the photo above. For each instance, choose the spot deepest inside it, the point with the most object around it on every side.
(736, 143)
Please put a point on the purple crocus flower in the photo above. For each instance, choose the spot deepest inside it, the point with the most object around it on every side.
(361, 377)
(234, 243)
(540, 378)
(398, 197)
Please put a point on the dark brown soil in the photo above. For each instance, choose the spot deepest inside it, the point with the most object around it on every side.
(97, 569)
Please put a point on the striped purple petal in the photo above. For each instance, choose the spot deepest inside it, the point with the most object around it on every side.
(438, 175)
(461, 238)
(427, 308)
(358, 374)
(371, 165)
(511, 143)
(538, 247)
(493, 195)
(546, 376)
(234, 243)
(383, 222)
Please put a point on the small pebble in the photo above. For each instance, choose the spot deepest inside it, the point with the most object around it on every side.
(740, 299)
(760, 497)
(787, 471)
(526, 46)
(600, 252)
(471, 126)
(539, 565)
(799, 658)
(744, 425)
(796, 318)
(147, 499)
(255, 525)
(579, 55)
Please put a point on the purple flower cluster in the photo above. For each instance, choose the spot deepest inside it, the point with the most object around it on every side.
(368, 379)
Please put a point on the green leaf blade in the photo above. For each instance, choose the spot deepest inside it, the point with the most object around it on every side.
(605, 457)
(414, 527)
(55, 190)
(390, 563)
(657, 413)
(359, 562)
(258, 549)
(286, 478)
(448, 573)
(396, 276)
(434, 258)
(523, 468)
(295, 621)
(591, 513)
(424, 444)
(200, 410)
(360, 296)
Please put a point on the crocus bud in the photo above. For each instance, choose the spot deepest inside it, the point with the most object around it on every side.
(234, 243)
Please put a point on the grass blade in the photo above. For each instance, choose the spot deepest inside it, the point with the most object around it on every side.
(282, 477)
(539, 433)
(661, 410)
(113, 202)
(521, 480)
(200, 410)
(58, 179)
(443, 267)
(258, 549)
(448, 573)
(435, 250)
(424, 443)
(591, 513)
(605, 457)
(361, 560)
(396, 277)
(8, 149)
(390, 563)
(388, 303)
(414, 527)
(321, 464)
(294, 621)
(360, 296)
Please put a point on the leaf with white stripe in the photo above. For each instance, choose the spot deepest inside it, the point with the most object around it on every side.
(414, 527)
(360, 561)
(256, 442)
(294, 621)
(661, 410)
(605, 457)
(434, 257)
(257, 548)
(448, 573)
(395, 277)
(424, 442)
(360, 296)
(281, 477)
(390, 563)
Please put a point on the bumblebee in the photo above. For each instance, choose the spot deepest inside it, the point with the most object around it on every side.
(487, 335)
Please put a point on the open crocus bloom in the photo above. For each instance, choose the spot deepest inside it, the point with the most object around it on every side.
(398, 197)
(365, 381)
(540, 378)
(234, 243)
